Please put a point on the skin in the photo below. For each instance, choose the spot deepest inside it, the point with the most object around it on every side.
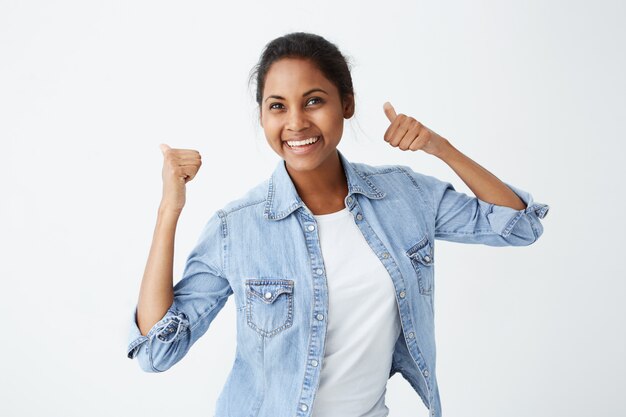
(287, 111)
(406, 133)
(318, 176)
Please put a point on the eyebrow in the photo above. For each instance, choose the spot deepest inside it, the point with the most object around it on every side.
(303, 95)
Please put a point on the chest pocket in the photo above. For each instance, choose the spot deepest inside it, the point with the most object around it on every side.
(269, 305)
(422, 258)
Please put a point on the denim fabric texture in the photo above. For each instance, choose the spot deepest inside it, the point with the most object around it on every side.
(263, 249)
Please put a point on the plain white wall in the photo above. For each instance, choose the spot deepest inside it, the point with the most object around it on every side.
(533, 91)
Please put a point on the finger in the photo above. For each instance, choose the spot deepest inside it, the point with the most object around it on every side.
(389, 111)
(187, 151)
(164, 148)
(410, 138)
(188, 172)
(418, 143)
(395, 127)
(405, 124)
(188, 161)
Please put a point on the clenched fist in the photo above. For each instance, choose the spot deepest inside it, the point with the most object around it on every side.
(179, 167)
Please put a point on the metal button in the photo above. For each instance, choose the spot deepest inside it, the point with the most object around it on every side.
(411, 335)
(314, 362)
(402, 294)
(432, 412)
(359, 216)
(303, 407)
(427, 258)
(310, 228)
(320, 317)
(385, 255)
(268, 295)
(425, 372)
(349, 199)
(319, 271)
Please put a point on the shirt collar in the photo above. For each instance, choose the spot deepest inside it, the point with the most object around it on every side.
(283, 199)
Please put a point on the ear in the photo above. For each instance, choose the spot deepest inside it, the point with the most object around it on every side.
(348, 106)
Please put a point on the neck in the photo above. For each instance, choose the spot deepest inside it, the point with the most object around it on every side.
(325, 186)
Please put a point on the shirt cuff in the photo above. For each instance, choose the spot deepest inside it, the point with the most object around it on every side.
(503, 219)
(166, 330)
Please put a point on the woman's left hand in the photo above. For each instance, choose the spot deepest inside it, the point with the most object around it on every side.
(407, 133)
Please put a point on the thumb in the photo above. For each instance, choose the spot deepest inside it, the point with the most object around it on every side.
(164, 148)
(389, 111)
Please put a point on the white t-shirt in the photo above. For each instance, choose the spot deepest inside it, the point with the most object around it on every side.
(363, 323)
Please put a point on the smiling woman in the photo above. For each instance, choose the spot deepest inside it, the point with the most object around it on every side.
(330, 262)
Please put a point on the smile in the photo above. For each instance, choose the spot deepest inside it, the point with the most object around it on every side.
(305, 142)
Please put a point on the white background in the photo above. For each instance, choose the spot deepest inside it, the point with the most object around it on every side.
(534, 91)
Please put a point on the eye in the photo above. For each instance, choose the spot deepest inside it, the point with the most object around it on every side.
(316, 98)
(273, 104)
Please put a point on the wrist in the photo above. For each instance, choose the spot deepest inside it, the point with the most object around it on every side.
(446, 150)
(168, 210)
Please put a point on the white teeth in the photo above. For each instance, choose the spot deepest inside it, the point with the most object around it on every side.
(303, 142)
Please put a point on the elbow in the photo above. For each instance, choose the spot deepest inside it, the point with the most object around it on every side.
(153, 357)
(164, 345)
(526, 232)
(141, 350)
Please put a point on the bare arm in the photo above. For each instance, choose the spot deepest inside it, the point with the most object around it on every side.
(483, 183)
(156, 293)
(157, 288)
(407, 133)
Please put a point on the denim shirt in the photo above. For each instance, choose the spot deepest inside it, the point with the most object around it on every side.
(264, 249)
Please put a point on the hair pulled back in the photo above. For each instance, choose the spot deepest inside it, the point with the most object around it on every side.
(324, 54)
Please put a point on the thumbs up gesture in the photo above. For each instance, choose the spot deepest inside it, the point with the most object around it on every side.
(407, 133)
(179, 167)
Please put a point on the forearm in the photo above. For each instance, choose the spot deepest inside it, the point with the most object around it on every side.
(156, 293)
(483, 183)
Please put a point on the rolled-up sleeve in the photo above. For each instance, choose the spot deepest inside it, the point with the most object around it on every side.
(459, 217)
(198, 297)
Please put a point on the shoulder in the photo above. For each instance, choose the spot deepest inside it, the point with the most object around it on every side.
(399, 173)
(254, 196)
(367, 170)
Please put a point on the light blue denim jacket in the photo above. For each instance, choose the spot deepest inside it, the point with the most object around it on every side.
(264, 249)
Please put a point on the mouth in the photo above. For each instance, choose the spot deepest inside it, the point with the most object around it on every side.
(303, 146)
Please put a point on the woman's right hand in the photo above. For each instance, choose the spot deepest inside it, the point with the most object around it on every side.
(179, 167)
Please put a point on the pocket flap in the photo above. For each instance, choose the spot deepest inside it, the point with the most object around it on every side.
(269, 289)
(422, 252)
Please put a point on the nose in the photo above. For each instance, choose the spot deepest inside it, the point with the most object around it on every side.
(297, 120)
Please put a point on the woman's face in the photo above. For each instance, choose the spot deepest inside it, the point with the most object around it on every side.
(300, 103)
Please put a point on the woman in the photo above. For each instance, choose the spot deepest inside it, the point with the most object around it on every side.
(331, 262)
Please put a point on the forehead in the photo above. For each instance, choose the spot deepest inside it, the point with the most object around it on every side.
(293, 76)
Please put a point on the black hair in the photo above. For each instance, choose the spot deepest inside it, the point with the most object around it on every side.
(324, 54)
